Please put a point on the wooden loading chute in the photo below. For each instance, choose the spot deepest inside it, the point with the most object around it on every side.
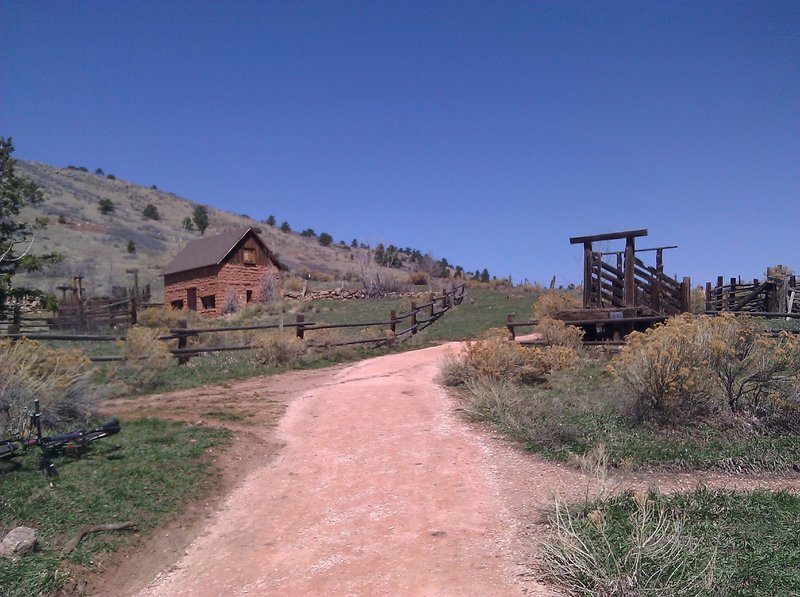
(621, 293)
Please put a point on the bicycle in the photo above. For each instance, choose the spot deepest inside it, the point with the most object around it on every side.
(54, 444)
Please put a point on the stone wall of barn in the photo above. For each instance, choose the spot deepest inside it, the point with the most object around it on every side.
(213, 284)
(246, 283)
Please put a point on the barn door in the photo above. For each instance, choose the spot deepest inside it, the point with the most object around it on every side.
(191, 299)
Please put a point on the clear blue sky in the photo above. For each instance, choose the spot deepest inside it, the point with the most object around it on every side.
(485, 132)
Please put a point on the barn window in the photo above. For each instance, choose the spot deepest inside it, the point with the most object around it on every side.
(176, 304)
(208, 302)
(249, 256)
(249, 296)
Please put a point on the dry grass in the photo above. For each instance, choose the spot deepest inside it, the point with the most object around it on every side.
(553, 301)
(655, 557)
(146, 358)
(60, 379)
(166, 318)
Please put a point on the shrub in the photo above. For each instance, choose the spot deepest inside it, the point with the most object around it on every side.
(552, 301)
(698, 365)
(268, 289)
(555, 332)
(150, 212)
(666, 368)
(498, 359)
(294, 284)
(60, 379)
(757, 375)
(275, 350)
(418, 279)
(146, 357)
(231, 304)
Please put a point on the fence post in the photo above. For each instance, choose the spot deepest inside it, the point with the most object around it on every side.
(732, 295)
(134, 316)
(301, 330)
(686, 295)
(81, 315)
(393, 321)
(709, 304)
(182, 358)
(509, 321)
(432, 301)
(413, 318)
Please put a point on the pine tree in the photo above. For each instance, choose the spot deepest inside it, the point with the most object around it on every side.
(200, 218)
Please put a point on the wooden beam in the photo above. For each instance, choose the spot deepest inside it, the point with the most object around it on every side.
(630, 271)
(577, 240)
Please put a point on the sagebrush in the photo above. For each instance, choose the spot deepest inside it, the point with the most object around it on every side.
(278, 350)
(725, 366)
(497, 358)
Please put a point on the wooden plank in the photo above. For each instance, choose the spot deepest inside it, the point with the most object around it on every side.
(587, 275)
(630, 285)
(577, 240)
(749, 296)
(613, 270)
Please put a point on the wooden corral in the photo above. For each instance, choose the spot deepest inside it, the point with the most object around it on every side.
(621, 293)
(777, 295)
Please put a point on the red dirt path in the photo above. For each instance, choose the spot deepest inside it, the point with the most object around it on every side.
(379, 487)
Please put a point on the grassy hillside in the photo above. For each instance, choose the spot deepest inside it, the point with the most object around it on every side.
(96, 245)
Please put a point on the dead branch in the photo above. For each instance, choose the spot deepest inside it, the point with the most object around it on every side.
(73, 543)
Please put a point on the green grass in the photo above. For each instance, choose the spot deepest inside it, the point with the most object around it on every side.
(750, 538)
(143, 474)
(583, 409)
(481, 310)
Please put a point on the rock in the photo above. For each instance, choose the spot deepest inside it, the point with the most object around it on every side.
(18, 542)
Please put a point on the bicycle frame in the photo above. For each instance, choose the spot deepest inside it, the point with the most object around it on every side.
(51, 445)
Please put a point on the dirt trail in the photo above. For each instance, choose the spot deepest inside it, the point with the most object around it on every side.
(380, 490)
(376, 486)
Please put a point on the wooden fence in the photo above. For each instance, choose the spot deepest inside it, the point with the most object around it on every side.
(398, 326)
(773, 297)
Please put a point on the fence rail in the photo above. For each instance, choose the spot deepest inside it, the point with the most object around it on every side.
(762, 298)
(418, 317)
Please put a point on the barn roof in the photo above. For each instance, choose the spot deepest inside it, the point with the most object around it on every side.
(212, 250)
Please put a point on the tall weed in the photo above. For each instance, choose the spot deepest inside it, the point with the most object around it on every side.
(634, 544)
(60, 379)
(146, 358)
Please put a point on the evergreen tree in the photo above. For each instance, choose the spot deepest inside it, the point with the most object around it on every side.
(17, 237)
(200, 218)
(325, 239)
(285, 227)
(105, 206)
(380, 255)
(150, 212)
(271, 221)
(485, 275)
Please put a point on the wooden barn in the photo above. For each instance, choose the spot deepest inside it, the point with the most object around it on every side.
(211, 269)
